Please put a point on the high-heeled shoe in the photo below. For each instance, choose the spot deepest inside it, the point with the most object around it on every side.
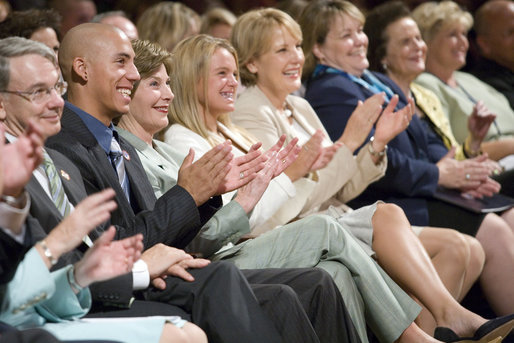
(487, 332)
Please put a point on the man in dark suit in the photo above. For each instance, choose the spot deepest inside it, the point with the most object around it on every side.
(209, 296)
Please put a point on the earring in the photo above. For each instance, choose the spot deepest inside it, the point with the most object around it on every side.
(384, 66)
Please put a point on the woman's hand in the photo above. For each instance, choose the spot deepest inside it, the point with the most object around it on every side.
(308, 155)
(391, 123)
(278, 161)
(478, 125)
(107, 259)
(361, 121)
(464, 175)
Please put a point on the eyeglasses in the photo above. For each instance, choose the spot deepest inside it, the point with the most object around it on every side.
(40, 95)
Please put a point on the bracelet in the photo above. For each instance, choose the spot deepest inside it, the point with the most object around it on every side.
(468, 152)
(47, 252)
(71, 280)
(373, 152)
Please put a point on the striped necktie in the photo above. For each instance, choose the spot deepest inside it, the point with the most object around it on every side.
(56, 188)
(118, 164)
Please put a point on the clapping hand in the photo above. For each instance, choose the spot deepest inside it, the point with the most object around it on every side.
(88, 214)
(478, 124)
(278, 160)
(202, 179)
(19, 159)
(391, 123)
(361, 121)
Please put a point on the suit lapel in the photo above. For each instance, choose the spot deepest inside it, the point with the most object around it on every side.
(70, 177)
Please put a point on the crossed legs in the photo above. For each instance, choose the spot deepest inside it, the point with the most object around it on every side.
(404, 258)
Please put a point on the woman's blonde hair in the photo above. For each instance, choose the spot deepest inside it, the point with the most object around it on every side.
(252, 36)
(191, 64)
(148, 59)
(217, 16)
(316, 20)
(432, 16)
(167, 23)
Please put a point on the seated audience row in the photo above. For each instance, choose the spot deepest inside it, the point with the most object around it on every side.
(210, 184)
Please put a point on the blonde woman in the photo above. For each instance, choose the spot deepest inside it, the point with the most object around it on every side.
(174, 20)
(218, 22)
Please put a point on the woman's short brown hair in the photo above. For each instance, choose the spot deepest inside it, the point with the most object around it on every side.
(316, 20)
(148, 59)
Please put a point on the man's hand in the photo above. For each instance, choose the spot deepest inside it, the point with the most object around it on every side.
(202, 178)
(19, 159)
(88, 214)
(163, 260)
(107, 259)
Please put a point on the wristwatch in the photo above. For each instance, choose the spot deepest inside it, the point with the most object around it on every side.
(17, 202)
(373, 152)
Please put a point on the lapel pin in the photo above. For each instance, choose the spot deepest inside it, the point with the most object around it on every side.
(126, 155)
(65, 175)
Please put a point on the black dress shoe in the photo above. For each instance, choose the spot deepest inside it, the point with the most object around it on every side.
(494, 328)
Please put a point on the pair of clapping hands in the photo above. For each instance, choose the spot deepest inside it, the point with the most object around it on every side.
(317, 154)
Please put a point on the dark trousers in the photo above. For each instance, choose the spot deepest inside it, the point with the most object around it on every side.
(221, 302)
(316, 292)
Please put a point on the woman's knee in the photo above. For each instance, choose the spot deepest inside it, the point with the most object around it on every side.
(494, 233)
(173, 334)
(454, 246)
(389, 217)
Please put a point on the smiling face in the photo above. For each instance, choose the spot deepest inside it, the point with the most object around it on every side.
(449, 46)
(111, 74)
(149, 106)
(221, 84)
(29, 73)
(405, 50)
(279, 70)
(345, 46)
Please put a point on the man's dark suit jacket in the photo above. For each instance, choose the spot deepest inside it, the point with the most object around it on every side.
(411, 176)
(499, 77)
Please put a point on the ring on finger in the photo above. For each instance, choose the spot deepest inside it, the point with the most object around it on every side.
(241, 175)
(468, 176)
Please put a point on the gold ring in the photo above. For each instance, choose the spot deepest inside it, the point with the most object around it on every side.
(284, 161)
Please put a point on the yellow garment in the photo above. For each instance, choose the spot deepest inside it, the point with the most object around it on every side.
(431, 106)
